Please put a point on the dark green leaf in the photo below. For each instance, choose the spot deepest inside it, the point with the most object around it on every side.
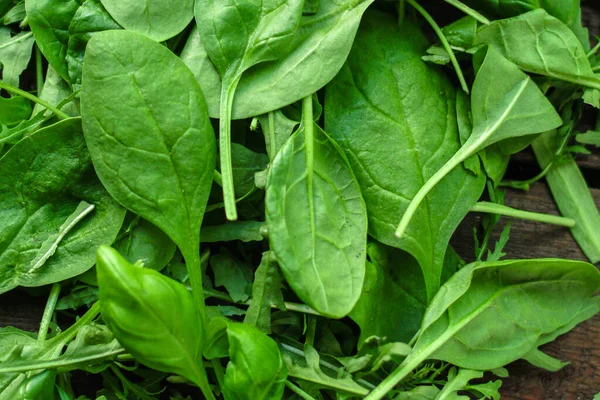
(246, 231)
(235, 275)
(148, 244)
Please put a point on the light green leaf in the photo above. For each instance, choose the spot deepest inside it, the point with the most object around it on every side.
(15, 52)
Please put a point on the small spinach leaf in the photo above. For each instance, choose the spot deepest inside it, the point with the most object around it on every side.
(15, 52)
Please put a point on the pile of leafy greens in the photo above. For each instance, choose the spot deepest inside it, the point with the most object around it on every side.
(254, 199)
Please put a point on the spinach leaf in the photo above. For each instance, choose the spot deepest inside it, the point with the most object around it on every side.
(505, 104)
(148, 244)
(393, 298)
(245, 164)
(277, 129)
(49, 24)
(266, 292)
(246, 231)
(490, 314)
(541, 44)
(159, 20)
(90, 18)
(317, 51)
(255, 370)
(14, 110)
(137, 305)
(571, 194)
(232, 273)
(317, 220)
(154, 149)
(45, 238)
(15, 52)
(269, 26)
(395, 118)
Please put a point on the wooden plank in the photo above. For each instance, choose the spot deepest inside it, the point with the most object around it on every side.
(580, 379)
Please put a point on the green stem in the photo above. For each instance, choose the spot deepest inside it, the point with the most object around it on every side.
(216, 206)
(401, 12)
(444, 41)
(201, 380)
(217, 178)
(194, 268)
(461, 155)
(596, 68)
(469, 11)
(219, 372)
(48, 312)
(39, 70)
(227, 95)
(594, 50)
(494, 208)
(17, 91)
(272, 139)
(301, 393)
(311, 329)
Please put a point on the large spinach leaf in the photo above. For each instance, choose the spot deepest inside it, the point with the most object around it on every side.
(505, 104)
(317, 51)
(154, 149)
(157, 19)
(395, 117)
(48, 234)
(490, 314)
(317, 220)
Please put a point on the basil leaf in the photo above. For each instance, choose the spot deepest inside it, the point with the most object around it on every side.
(137, 305)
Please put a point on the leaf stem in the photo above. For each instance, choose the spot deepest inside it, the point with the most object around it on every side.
(39, 70)
(469, 11)
(48, 312)
(500, 209)
(227, 95)
(301, 393)
(272, 139)
(35, 99)
(444, 41)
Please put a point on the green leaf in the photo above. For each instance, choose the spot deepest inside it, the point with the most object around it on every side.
(159, 20)
(246, 231)
(317, 221)
(541, 44)
(266, 292)
(256, 370)
(590, 137)
(268, 27)
(14, 110)
(277, 129)
(90, 18)
(154, 148)
(462, 312)
(395, 118)
(505, 104)
(49, 24)
(39, 244)
(393, 298)
(137, 305)
(15, 52)
(39, 386)
(15, 14)
(489, 390)
(317, 51)
(457, 381)
(235, 275)
(571, 194)
(311, 372)
(246, 163)
(419, 393)
(148, 244)
(542, 360)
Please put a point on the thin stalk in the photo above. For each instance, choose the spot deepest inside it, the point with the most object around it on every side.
(39, 71)
(48, 312)
(444, 41)
(594, 50)
(216, 206)
(469, 11)
(227, 95)
(311, 329)
(43, 103)
(219, 372)
(201, 380)
(596, 68)
(301, 393)
(194, 269)
(217, 178)
(462, 154)
(494, 208)
(272, 140)
(401, 12)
